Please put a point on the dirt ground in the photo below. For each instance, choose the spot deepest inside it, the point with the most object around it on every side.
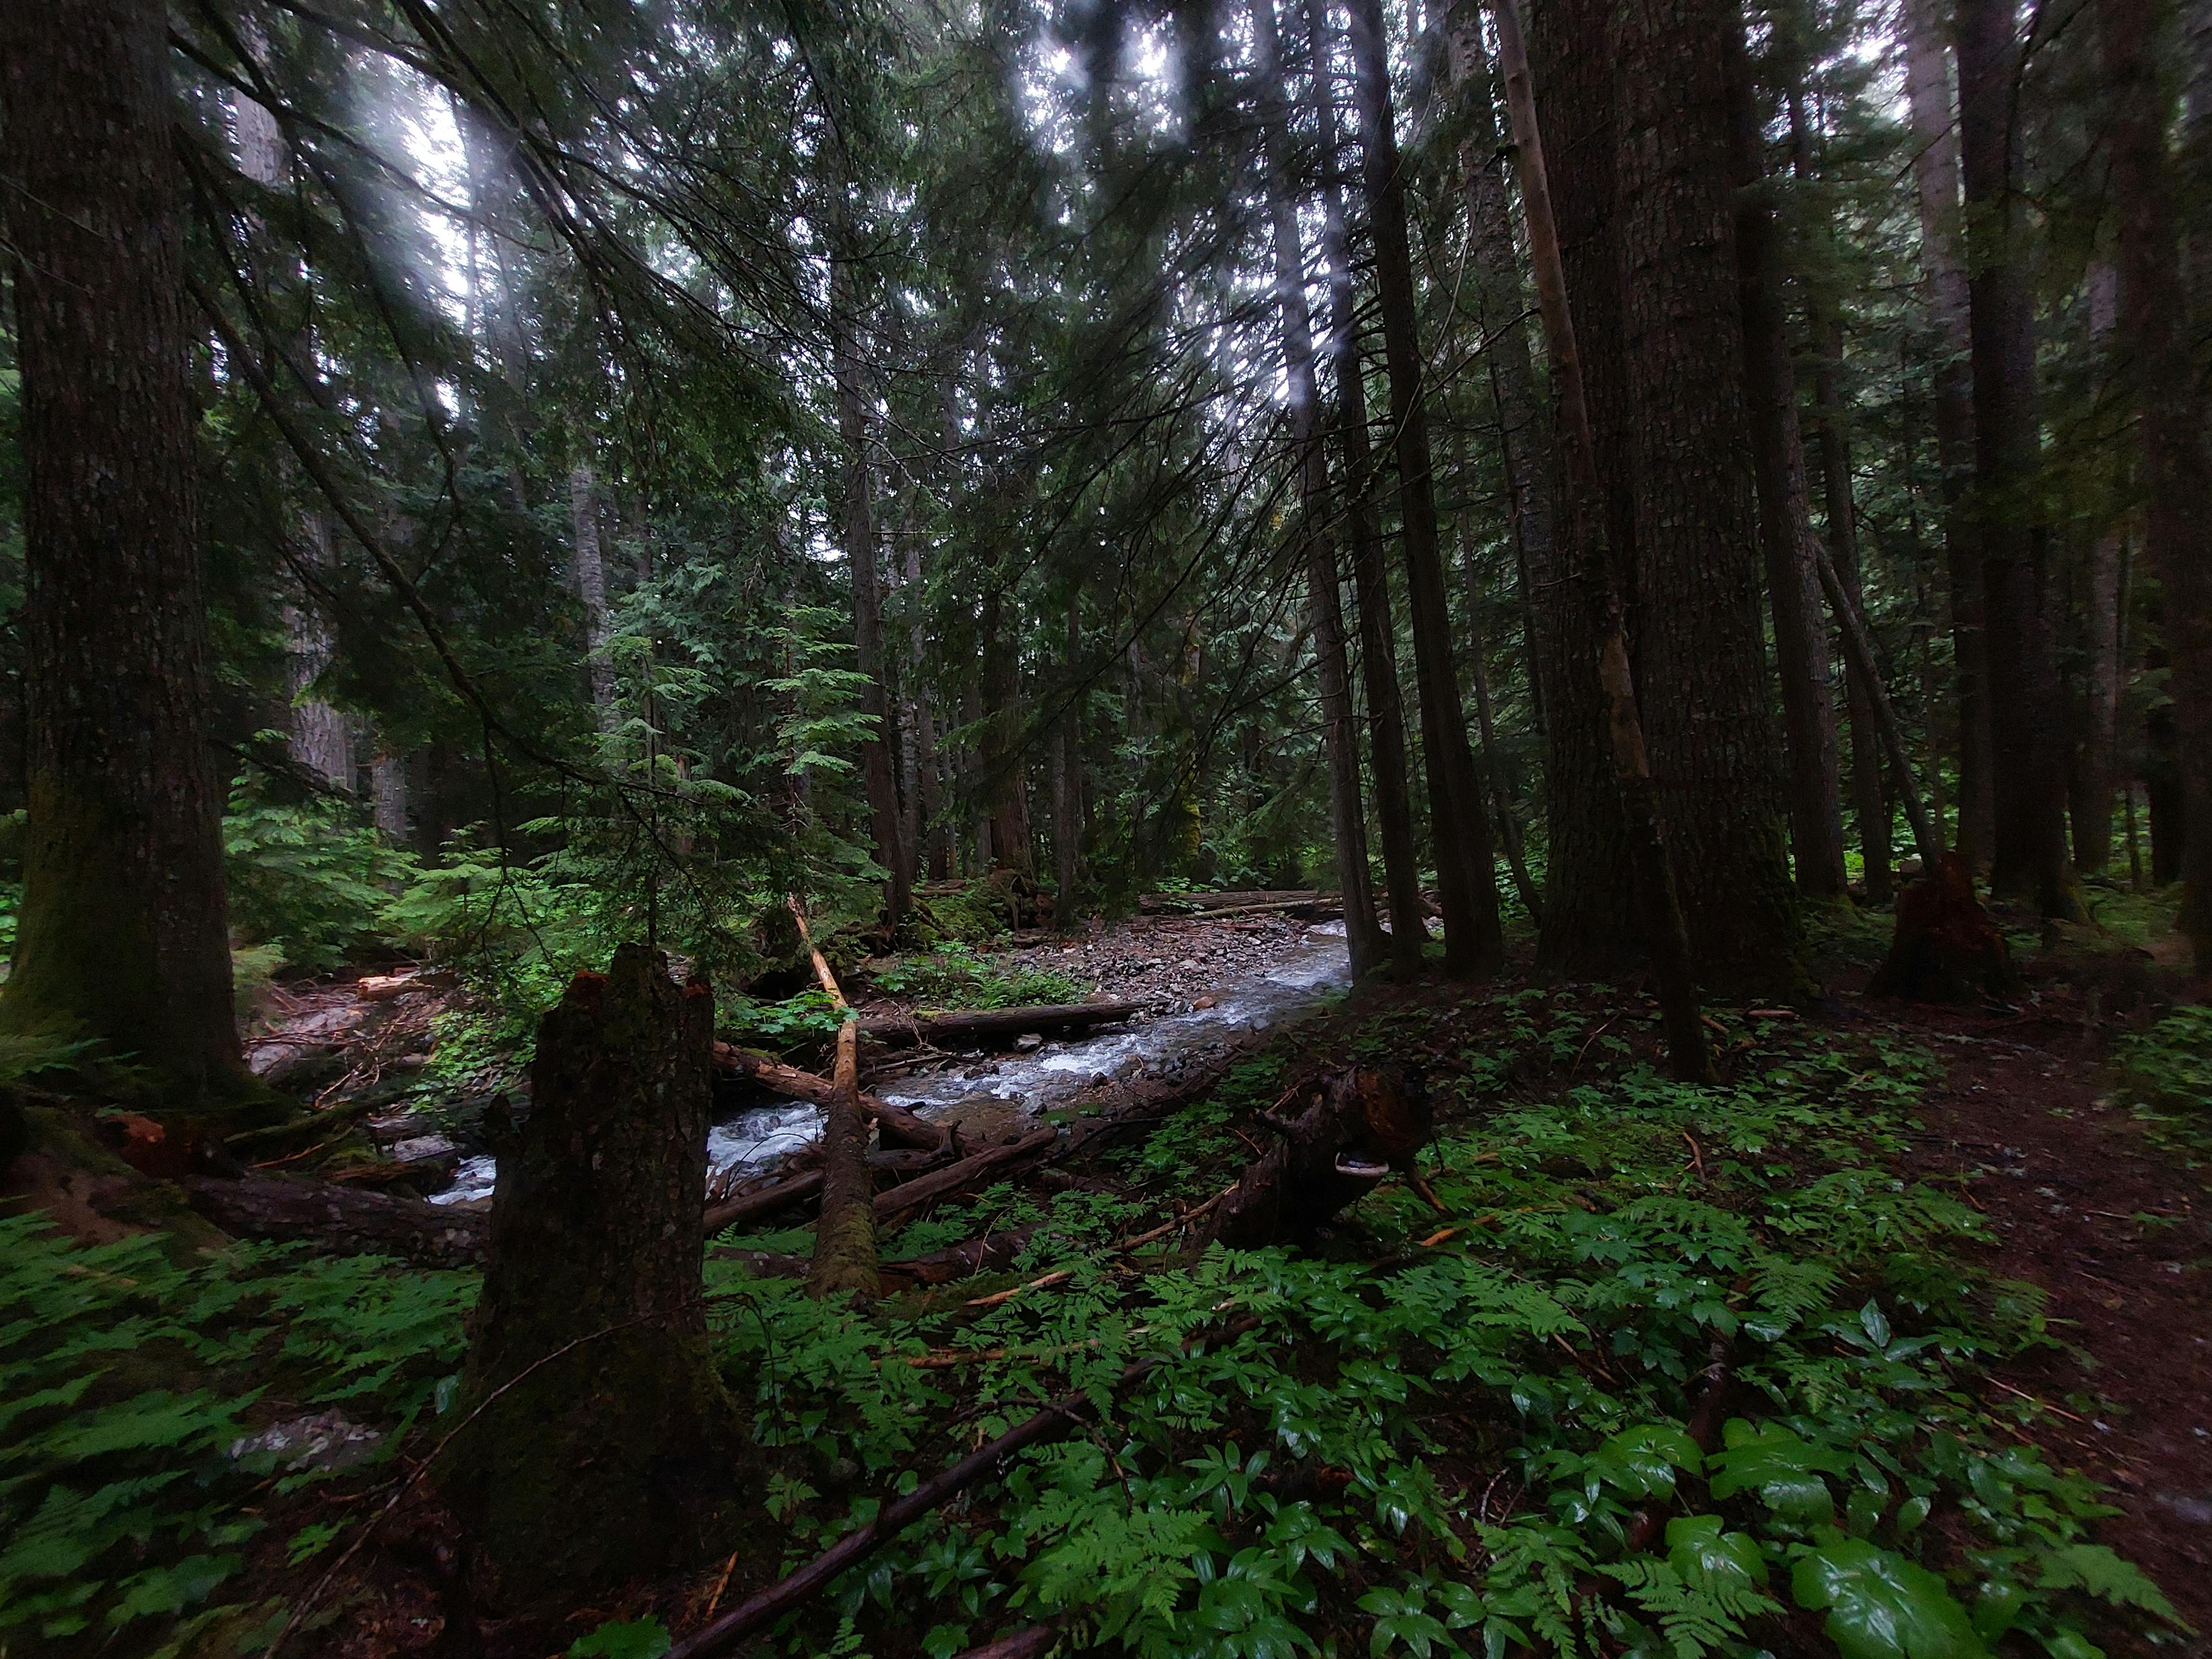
(2115, 1228)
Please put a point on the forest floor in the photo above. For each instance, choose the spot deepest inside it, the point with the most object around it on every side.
(1941, 1238)
(2108, 1210)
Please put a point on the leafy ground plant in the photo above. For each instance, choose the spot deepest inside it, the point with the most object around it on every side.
(127, 1500)
(1471, 1434)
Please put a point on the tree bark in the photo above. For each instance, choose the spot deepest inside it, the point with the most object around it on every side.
(1378, 653)
(1467, 878)
(1502, 310)
(1870, 803)
(122, 933)
(1068, 780)
(599, 1440)
(1005, 778)
(933, 841)
(2028, 781)
(592, 587)
(1324, 603)
(1590, 570)
(1786, 524)
(1592, 918)
(858, 524)
(1935, 174)
(2178, 516)
(1714, 760)
(2095, 758)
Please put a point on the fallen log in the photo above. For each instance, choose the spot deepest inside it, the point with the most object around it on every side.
(757, 1610)
(1356, 1127)
(992, 1024)
(899, 1126)
(751, 1207)
(346, 1220)
(1190, 903)
(967, 1174)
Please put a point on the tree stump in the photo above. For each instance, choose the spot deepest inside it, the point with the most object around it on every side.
(1356, 1127)
(603, 1445)
(1944, 948)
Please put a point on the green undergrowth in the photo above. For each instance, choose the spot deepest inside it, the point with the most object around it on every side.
(2166, 1073)
(1428, 1435)
(954, 977)
(126, 1381)
(1437, 1434)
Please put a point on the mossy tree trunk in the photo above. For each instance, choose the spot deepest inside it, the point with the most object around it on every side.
(123, 933)
(603, 1444)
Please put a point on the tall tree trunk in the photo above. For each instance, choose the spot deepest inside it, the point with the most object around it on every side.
(858, 522)
(1502, 311)
(1324, 603)
(122, 933)
(1005, 776)
(2028, 857)
(319, 741)
(1378, 652)
(2177, 467)
(1935, 174)
(1067, 780)
(591, 574)
(1467, 878)
(387, 776)
(1786, 524)
(1698, 649)
(933, 840)
(1583, 520)
(2093, 759)
(1592, 921)
(1870, 803)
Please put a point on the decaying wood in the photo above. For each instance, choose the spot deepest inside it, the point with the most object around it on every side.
(1354, 1128)
(898, 1127)
(1027, 1643)
(1944, 947)
(346, 1220)
(751, 1207)
(757, 1611)
(966, 1175)
(992, 1025)
(845, 1236)
(1185, 903)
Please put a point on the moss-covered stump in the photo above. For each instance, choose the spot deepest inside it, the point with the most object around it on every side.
(604, 1446)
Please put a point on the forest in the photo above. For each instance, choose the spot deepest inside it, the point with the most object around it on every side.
(1005, 829)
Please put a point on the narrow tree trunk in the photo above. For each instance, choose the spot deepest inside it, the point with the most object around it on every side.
(858, 522)
(1067, 780)
(1869, 798)
(1592, 917)
(1502, 311)
(319, 741)
(2094, 761)
(591, 588)
(597, 1440)
(387, 776)
(121, 933)
(2177, 467)
(1324, 603)
(1378, 654)
(1467, 881)
(1584, 524)
(2028, 856)
(1935, 174)
(1005, 775)
(1715, 758)
(1785, 525)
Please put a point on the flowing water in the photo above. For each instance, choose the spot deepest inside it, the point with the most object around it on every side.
(756, 1141)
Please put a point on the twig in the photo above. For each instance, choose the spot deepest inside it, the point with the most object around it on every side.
(757, 1611)
(423, 1468)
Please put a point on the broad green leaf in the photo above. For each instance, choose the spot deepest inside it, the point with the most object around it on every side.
(2094, 1568)
(1641, 1462)
(640, 1638)
(1883, 1606)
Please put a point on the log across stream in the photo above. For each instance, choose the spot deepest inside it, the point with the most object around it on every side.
(1003, 1092)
